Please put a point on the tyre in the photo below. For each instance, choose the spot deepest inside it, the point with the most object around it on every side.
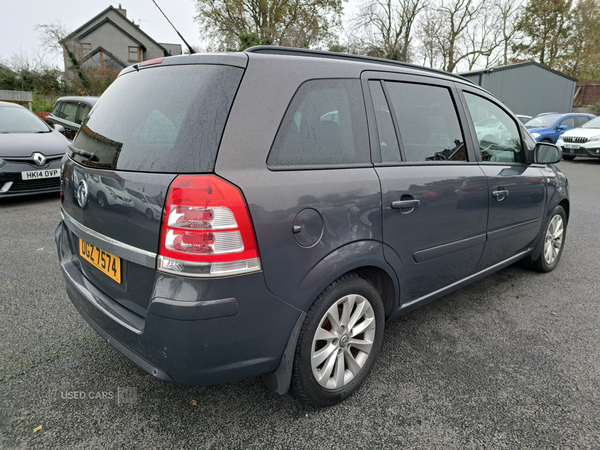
(339, 342)
(149, 214)
(568, 157)
(548, 140)
(102, 202)
(554, 242)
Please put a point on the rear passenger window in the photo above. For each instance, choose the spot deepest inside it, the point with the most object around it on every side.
(581, 120)
(428, 122)
(497, 132)
(325, 124)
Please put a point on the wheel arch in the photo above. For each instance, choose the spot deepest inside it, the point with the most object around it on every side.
(370, 264)
(566, 205)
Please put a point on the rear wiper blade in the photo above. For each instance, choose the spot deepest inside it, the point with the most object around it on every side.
(83, 153)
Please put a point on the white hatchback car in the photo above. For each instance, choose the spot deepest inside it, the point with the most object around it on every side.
(582, 141)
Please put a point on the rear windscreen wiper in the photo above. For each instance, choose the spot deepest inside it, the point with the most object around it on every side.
(83, 153)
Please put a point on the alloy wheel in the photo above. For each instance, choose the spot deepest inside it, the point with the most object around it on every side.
(554, 239)
(343, 341)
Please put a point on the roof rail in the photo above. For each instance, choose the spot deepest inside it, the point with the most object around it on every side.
(273, 50)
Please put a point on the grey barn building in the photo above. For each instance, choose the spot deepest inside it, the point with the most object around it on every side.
(528, 88)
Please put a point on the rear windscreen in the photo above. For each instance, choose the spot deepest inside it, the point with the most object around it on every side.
(163, 119)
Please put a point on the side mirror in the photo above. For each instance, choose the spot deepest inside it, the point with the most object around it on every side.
(545, 153)
(59, 128)
(562, 127)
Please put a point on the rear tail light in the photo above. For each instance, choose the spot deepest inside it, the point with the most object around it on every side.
(206, 229)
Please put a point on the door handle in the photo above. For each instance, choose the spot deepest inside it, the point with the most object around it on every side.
(500, 195)
(402, 204)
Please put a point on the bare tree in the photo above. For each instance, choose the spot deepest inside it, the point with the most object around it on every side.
(429, 45)
(507, 12)
(469, 33)
(456, 17)
(53, 38)
(482, 39)
(490, 39)
(237, 24)
(387, 26)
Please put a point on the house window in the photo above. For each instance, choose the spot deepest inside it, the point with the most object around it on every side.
(134, 54)
(85, 49)
(101, 61)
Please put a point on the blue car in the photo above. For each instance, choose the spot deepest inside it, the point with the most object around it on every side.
(548, 127)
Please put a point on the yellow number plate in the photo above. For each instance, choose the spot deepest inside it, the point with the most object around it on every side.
(105, 262)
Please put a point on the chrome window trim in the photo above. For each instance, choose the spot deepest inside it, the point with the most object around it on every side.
(117, 248)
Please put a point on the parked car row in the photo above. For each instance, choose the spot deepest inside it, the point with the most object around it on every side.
(548, 127)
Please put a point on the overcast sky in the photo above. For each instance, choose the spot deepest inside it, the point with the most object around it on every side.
(19, 17)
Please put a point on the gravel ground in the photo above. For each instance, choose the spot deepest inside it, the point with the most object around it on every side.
(510, 362)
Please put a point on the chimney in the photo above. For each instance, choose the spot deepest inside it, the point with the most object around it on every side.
(121, 10)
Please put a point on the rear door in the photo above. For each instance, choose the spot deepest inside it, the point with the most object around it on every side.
(517, 191)
(434, 195)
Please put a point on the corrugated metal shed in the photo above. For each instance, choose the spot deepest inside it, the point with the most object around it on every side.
(528, 88)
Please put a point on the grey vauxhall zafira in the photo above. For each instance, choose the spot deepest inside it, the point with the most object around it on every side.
(307, 198)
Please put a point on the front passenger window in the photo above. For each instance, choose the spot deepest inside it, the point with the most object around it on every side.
(569, 122)
(497, 132)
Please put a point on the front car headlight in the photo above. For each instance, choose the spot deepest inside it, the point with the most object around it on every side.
(592, 139)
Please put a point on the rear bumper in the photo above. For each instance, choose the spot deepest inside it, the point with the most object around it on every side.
(194, 331)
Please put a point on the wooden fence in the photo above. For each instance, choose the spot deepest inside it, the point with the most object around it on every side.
(587, 93)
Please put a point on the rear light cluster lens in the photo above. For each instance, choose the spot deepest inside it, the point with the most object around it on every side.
(206, 229)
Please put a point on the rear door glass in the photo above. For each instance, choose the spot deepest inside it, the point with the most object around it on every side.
(325, 124)
(163, 119)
